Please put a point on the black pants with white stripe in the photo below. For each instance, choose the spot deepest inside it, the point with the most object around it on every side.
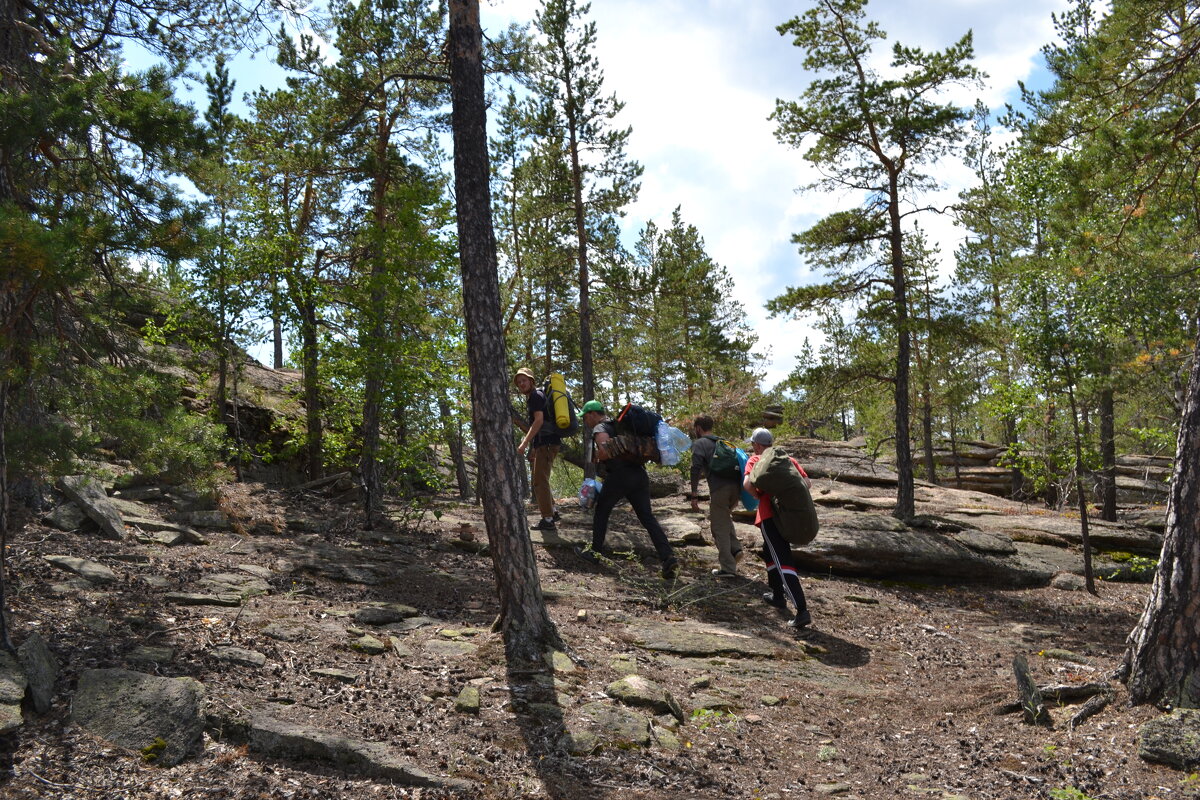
(781, 569)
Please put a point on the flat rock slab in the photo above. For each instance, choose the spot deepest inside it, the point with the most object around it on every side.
(616, 725)
(240, 656)
(637, 690)
(12, 680)
(131, 508)
(735, 671)
(681, 530)
(89, 495)
(10, 717)
(697, 639)
(1173, 739)
(383, 614)
(411, 624)
(283, 632)
(879, 546)
(91, 571)
(237, 583)
(449, 647)
(280, 739)
(177, 534)
(160, 717)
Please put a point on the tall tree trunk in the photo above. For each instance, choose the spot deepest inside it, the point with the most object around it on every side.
(375, 334)
(5, 641)
(1080, 493)
(927, 432)
(585, 305)
(276, 324)
(527, 627)
(954, 451)
(1108, 458)
(1162, 660)
(906, 503)
(454, 441)
(236, 418)
(314, 444)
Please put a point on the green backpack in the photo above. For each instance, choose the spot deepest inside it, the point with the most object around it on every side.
(795, 514)
(725, 462)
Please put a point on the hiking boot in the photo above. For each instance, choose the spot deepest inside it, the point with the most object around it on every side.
(591, 554)
(545, 525)
(670, 570)
(801, 620)
(557, 516)
(721, 573)
(772, 599)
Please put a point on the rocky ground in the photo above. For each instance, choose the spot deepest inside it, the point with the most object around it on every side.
(341, 663)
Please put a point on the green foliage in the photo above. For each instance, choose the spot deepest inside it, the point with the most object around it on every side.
(136, 415)
(1069, 793)
(705, 718)
(1139, 568)
(152, 751)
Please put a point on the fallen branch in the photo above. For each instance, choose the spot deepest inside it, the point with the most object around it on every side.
(1060, 694)
(1091, 708)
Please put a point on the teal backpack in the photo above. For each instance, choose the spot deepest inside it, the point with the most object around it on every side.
(725, 462)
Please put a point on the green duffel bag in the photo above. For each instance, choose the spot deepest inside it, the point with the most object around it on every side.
(795, 514)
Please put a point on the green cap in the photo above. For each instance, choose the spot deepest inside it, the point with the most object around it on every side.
(592, 405)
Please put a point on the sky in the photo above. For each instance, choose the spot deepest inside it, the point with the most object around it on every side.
(699, 79)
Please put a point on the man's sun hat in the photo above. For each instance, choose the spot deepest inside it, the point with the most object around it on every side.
(761, 436)
(527, 372)
(592, 405)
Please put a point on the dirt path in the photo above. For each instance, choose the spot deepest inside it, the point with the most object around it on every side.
(893, 693)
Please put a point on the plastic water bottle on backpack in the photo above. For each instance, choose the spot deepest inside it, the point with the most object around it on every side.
(672, 443)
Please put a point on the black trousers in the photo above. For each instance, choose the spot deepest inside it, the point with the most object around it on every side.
(781, 568)
(630, 483)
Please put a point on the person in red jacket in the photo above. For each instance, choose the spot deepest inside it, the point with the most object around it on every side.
(777, 553)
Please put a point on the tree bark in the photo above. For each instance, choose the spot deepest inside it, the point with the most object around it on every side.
(527, 628)
(1162, 659)
(1108, 458)
(906, 503)
(927, 432)
(314, 435)
(1081, 495)
(454, 441)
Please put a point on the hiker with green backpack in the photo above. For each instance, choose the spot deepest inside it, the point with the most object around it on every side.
(716, 459)
(777, 553)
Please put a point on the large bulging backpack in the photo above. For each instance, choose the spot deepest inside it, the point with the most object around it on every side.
(560, 407)
(794, 512)
(638, 421)
(725, 461)
(637, 435)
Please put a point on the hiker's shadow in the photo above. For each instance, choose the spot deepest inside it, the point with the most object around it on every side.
(832, 650)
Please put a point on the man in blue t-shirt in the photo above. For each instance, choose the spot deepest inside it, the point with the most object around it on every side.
(542, 441)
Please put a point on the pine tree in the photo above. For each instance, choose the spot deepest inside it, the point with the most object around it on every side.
(572, 109)
(527, 628)
(873, 135)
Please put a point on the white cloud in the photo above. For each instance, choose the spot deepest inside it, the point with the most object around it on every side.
(699, 79)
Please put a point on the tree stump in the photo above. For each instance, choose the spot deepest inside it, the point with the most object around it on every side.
(1031, 697)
